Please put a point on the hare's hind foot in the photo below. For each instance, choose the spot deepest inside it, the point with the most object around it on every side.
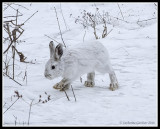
(90, 80)
(113, 86)
(89, 84)
(114, 82)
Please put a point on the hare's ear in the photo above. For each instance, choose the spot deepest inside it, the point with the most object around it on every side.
(58, 51)
(51, 47)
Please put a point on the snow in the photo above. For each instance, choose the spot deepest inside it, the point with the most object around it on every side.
(133, 52)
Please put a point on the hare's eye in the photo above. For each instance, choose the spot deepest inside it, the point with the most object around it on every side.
(53, 67)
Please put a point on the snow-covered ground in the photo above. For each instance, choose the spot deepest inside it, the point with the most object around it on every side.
(133, 52)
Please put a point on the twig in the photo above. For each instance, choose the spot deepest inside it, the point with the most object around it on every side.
(17, 25)
(120, 10)
(119, 19)
(25, 76)
(104, 34)
(7, 6)
(11, 105)
(155, 4)
(29, 112)
(12, 79)
(63, 16)
(30, 17)
(21, 6)
(14, 40)
(146, 20)
(12, 16)
(8, 21)
(93, 26)
(84, 35)
(59, 27)
(51, 38)
(16, 17)
(22, 57)
(73, 93)
(9, 33)
(4, 104)
(13, 8)
(109, 32)
(26, 101)
(66, 95)
(6, 63)
(20, 34)
(15, 120)
(13, 61)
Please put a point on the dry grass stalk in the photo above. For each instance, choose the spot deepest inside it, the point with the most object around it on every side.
(12, 79)
(120, 11)
(93, 25)
(30, 111)
(66, 95)
(59, 27)
(63, 17)
(73, 93)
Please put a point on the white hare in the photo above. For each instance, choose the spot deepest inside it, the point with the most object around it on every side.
(72, 63)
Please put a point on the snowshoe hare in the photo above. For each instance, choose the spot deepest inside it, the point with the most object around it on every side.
(72, 63)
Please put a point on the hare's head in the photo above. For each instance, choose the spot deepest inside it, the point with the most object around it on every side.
(53, 67)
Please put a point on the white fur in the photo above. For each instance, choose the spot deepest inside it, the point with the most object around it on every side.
(80, 59)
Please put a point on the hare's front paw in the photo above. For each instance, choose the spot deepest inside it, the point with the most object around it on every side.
(89, 84)
(113, 86)
(59, 85)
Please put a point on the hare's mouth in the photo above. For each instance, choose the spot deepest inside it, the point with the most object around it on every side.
(48, 76)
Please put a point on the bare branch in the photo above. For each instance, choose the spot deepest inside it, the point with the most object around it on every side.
(30, 17)
(12, 79)
(73, 93)
(21, 6)
(51, 38)
(15, 120)
(63, 16)
(11, 38)
(66, 95)
(9, 21)
(7, 6)
(13, 50)
(93, 26)
(9, 33)
(109, 32)
(30, 111)
(104, 34)
(16, 17)
(12, 16)
(59, 27)
(120, 10)
(155, 4)
(84, 36)
(11, 105)
(146, 20)
(13, 8)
